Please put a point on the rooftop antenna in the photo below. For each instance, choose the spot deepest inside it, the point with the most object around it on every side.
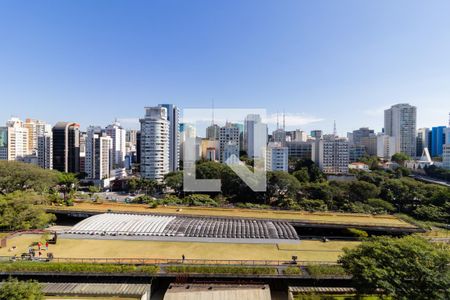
(334, 129)
(278, 123)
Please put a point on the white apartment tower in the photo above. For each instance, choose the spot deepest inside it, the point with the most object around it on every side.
(386, 146)
(400, 122)
(277, 157)
(118, 136)
(99, 154)
(17, 140)
(155, 143)
(173, 116)
(334, 155)
(255, 136)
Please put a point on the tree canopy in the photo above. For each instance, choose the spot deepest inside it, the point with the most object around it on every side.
(18, 211)
(405, 268)
(12, 289)
(400, 158)
(19, 176)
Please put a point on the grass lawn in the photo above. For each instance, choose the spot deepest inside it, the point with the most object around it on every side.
(79, 248)
(319, 217)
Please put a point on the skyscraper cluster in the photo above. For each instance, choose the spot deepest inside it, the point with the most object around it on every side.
(104, 154)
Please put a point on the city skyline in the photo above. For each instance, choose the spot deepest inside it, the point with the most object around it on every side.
(319, 62)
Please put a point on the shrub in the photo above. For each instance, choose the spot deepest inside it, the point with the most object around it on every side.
(221, 270)
(171, 200)
(293, 271)
(357, 232)
(200, 200)
(312, 205)
(381, 205)
(252, 205)
(326, 270)
(22, 266)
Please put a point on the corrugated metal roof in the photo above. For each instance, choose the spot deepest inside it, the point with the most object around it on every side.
(95, 289)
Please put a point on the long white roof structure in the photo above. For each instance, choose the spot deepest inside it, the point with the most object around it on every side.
(112, 224)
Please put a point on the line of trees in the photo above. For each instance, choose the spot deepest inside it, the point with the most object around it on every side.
(305, 188)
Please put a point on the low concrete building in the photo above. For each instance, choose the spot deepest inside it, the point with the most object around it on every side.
(217, 292)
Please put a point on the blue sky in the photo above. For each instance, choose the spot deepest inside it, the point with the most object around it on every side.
(92, 61)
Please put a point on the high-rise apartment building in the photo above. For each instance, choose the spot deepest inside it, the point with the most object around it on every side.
(300, 136)
(359, 135)
(154, 143)
(36, 128)
(212, 132)
(446, 156)
(277, 157)
(228, 134)
(99, 154)
(188, 131)
(300, 150)
(446, 149)
(130, 141)
(66, 147)
(422, 140)
(255, 136)
(437, 140)
(118, 136)
(3, 143)
(356, 152)
(333, 154)
(45, 149)
(173, 116)
(279, 136)
(386, 146)
(17, 140)
(400, 122)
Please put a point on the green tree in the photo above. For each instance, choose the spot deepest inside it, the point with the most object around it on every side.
(18, 176)
(281, 185)
(362, 191)
(148, 186)
(18, 211)
(405, 268)
(67, 185)
(400, 158)
(302, 175)
(314, 172)
(174, 180)
(372, 161)
(132, 184)
(381, 206)
(12, 289)
(93, 189)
